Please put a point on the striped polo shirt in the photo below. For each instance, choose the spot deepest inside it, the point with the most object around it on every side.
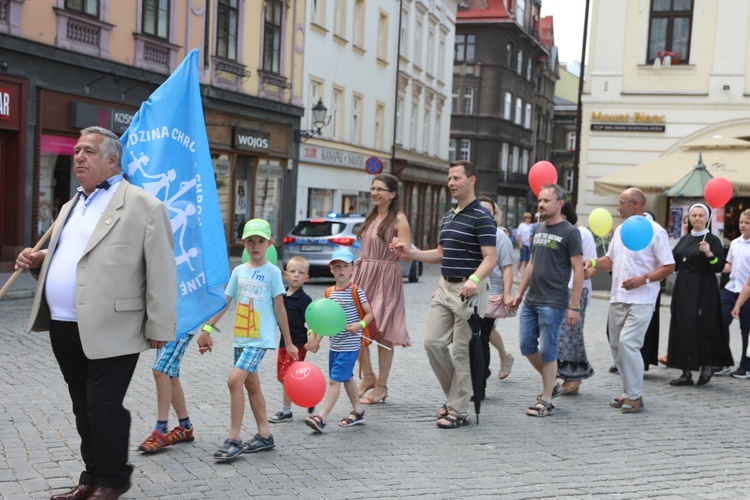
(462, 235)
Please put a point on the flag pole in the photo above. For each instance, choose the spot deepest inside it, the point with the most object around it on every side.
(18, 272)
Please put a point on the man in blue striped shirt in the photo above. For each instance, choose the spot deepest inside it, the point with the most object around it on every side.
(466, 254)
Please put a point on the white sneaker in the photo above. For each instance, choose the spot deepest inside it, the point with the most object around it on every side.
(722, 370)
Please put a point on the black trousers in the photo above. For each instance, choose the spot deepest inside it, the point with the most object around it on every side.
(97, 389)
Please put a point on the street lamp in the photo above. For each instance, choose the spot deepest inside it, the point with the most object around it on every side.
(320, 120)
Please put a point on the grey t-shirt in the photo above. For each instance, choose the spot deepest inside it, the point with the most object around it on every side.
(551, 250)
(504, 258)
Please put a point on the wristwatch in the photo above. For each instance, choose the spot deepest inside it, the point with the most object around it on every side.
(648, 281)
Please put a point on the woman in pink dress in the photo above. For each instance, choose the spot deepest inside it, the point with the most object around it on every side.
(378, 273)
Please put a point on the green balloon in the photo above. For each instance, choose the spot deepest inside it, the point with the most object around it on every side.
(271, 255)
(325, 317)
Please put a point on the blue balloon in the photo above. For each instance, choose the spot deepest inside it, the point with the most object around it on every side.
(636, 232)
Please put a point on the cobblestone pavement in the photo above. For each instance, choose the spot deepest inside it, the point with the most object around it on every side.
(688, 442)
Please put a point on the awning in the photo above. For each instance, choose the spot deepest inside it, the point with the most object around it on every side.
(723, 156)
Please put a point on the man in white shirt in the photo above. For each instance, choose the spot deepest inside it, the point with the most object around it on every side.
(635, 285)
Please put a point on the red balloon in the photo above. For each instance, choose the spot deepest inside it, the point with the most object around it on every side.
(304, 384)
(718, 192)
(541, 174)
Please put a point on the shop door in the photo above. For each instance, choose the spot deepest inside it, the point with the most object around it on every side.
(57, 180)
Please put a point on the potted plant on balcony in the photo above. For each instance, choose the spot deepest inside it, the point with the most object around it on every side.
(669, 58)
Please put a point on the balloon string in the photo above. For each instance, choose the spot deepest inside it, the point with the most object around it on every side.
(374, 342)
(708, 226)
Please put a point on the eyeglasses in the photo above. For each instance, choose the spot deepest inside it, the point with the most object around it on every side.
(623, 203)
(379, 190)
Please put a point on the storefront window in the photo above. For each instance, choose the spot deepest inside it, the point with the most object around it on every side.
(414, 207)
(240, 208)
(512, 212)
(349, 204)
(57, 181)
(269, 186)
(428, 217)
(363, 203)
(320, 202)
(222, 164)
(502, 204)
(243, 194)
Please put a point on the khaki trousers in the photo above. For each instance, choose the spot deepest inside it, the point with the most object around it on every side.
(627, 329)
(446, 325)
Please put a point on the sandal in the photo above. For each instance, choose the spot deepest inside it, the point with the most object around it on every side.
(316, 423)
(348, 421)
(365, 385)
(443, 411)
(542, 408)
(632, 405)
(371, 399)
(572, 388)
(682, 380)
(618, 402)
(556, 391)
(229, 450)
(454, 422)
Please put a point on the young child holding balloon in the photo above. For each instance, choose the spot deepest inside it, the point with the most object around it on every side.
(258, 289)
(295, 303)
(345, 345)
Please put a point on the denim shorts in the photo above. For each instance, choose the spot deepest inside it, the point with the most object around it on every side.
(248, 358)
(525, 254)
(341, 365)
(539, 330)
(168, 358)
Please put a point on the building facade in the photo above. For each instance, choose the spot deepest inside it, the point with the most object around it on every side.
(422, 119)
(350, 66)
(503, 98)
(666, 78)
(69, 64)
(564, 128)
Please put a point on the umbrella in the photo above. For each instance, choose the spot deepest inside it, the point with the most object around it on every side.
(476, 360)
(693, 184)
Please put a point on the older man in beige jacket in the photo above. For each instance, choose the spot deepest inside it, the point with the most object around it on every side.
(107, 291)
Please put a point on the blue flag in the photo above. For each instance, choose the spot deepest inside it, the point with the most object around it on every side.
(165, 151)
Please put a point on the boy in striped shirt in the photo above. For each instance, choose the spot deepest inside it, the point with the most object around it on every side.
(344, 345)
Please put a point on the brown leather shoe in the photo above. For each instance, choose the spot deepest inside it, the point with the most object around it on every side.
(78, 493)
(104, 493)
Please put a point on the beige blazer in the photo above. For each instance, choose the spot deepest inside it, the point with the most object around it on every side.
(126, 280)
